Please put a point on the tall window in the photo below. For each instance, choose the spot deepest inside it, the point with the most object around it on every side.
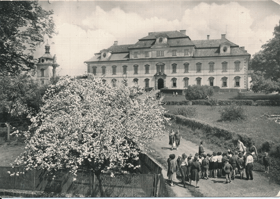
(198, 67)
(135, 54)
(224, 80)
(146, 53)
(186, 65)
(211, 81)
(174, 52)
(124, 69)
(174, 82)
(211, 67)
(135, 69)
(224, 66)
(42, 73)
(114, 70)
(198, 81)
(135, 81)
(114, 82)
(186, 82)
(94, 70)
(160, 67)
(147, 83)
(174, 68)
(237, 66)
(147, 67)
(103, 70)
(160, 53)
(237, 81)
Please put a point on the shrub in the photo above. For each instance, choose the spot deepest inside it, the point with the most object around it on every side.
(233, 112)
(200, 102)
(268, 102)
(187, 111)
(198, 92)
(216, 89)
(213, 102)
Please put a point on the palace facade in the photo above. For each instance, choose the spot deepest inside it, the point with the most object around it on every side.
(172, 60)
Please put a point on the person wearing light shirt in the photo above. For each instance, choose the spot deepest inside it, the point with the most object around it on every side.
(249, 166)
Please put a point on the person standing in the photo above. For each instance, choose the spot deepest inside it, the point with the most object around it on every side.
(183, 167)
(233, 162)
(249, 166)
(254, 151)
(220, 163)
(177, 139)
(266, 162)
(240, 147)
(172, 139)
(228, 168)
(215, 164)
(172, 168)
(195, 169)
(201, 148)
(241, 165)
(205, 166)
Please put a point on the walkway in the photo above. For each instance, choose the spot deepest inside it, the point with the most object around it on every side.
(214, 187)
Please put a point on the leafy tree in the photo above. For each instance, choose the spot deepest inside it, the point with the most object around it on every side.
(198, 92)
(19, 96)
(266, 65)
(85, 122)
(23, 25)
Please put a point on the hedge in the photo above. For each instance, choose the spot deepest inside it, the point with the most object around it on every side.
(226, 139)
(226, 102)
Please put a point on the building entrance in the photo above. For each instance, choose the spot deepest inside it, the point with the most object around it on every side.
(160, 83)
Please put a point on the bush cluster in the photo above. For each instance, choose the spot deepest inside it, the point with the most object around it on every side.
(186, 111)
(268, 102)
(198, 92)
(233, 112)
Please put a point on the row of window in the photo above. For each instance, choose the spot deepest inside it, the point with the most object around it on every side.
(186, 81)
(160, 68)
(160, 53)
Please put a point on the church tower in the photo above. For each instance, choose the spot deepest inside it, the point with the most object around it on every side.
(46, 67)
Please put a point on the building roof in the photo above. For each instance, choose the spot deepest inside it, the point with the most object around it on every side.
(113, 57)
(168, 34)
(143, 44)
(47, 55)
(180, 42)
(120, 48)
(211, 43)
(208, 52)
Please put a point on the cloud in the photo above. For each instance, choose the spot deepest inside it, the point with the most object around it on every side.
(74, 45)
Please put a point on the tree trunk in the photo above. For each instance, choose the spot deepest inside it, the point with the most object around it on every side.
(8, 131)
(102, 193)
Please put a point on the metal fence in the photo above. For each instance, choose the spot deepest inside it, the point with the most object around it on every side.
(149, 183)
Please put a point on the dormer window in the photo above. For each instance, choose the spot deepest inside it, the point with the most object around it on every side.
(225, 49)
(104, 54)
(160, 40)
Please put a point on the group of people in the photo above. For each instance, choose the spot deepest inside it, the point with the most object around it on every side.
(204, 166)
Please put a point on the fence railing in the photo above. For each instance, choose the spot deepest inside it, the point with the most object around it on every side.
(149, 183)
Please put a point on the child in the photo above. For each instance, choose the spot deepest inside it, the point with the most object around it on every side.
(228, 169)
(205, 167)
(266, 162)
(241, 164)
(215, 164)
(220, 163)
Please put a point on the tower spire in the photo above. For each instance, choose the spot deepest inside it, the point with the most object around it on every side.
(47, 47)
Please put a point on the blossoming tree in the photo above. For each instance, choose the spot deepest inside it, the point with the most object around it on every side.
(85, 122)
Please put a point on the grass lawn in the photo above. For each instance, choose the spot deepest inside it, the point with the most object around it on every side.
(256, 126)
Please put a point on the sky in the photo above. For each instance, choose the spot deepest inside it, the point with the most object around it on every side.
(86, 27)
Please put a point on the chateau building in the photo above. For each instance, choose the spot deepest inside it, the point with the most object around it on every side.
(172, 60)
(46, 67)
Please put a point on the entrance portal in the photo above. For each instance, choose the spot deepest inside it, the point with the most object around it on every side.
(160, 83)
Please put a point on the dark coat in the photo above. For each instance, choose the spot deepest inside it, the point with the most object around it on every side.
(195, 169)
(171, 139)
(177, 138)
(200, 150)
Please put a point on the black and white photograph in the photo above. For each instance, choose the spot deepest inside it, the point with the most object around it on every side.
(148, 98)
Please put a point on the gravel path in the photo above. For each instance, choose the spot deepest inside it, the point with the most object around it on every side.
(261, 186)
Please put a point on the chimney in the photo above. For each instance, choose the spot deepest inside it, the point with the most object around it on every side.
(115, 43)
(208, 37)
(223, 36)
(183, 31)
(150, 33)
(242, 48)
